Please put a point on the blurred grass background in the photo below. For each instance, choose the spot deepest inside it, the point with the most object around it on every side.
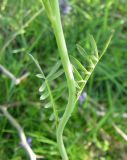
(91, 133)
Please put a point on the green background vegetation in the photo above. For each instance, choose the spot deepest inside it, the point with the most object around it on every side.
(89, 135)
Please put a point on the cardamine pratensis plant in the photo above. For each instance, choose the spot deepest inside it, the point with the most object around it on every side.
(75, 85)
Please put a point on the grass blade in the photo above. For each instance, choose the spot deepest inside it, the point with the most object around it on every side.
(79, 65)
(54, 69)
(38, 66)
(81, 50)
(42, 88)
(93, 45)
(77, 74)
(56, 75)
(44, 96)
(106, 45)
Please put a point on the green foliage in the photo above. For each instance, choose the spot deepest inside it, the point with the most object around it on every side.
(45, 88)
(92, 60)
(106, 89)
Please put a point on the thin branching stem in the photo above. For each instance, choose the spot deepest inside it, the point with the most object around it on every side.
(21, 133)
(14, 79)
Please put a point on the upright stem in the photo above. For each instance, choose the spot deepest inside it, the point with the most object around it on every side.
(71, 86)
(58, 31)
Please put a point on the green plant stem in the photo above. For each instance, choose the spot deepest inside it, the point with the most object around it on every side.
(71, 86)
(53, 12)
